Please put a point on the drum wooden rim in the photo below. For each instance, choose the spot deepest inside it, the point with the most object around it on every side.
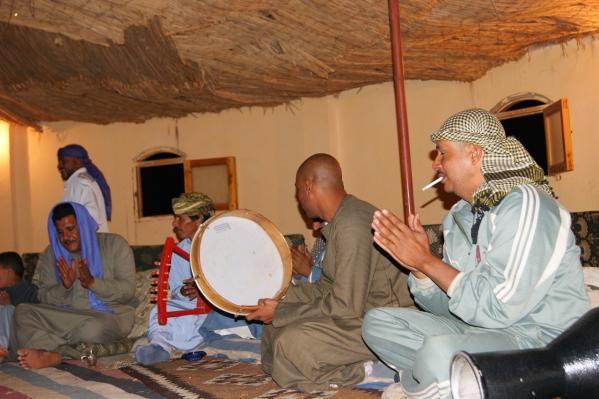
(209, 292)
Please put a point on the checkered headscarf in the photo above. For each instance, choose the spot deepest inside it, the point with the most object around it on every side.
(506, 164)
(193, 204)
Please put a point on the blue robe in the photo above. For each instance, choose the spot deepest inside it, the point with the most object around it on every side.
(179, 333)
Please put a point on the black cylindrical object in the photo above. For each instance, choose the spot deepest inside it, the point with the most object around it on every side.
(567, 368)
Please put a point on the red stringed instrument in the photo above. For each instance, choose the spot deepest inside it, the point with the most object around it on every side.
(160, 285)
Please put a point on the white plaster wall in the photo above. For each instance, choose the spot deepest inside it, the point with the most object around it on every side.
(570, 70)
(369, 151)
(7, 241)
(357, 126)
(268, 145)
(20, 197)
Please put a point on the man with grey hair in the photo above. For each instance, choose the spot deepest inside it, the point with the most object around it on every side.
(510, 277)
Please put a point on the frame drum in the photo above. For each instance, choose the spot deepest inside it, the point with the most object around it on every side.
(239, 257)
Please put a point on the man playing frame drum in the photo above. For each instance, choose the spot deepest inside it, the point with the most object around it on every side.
(314, 341)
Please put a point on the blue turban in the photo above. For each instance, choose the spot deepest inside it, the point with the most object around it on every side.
(90, 249)
(77, 151)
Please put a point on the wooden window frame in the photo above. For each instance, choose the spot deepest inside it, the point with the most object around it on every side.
(229, 162)
(547, 110)
(564, 135)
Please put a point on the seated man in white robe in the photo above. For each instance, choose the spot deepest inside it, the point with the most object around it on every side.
(180, 333)
(85, 184)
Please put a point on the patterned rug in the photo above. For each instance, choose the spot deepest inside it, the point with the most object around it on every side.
(70, 380)
(222, 378)
(210, 378)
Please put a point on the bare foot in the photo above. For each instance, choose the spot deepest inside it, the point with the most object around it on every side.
(38, 359)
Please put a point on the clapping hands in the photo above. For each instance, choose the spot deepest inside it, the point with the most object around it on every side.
(68, 274)
(406, 242)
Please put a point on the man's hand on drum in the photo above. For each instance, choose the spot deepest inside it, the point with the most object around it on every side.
(189, 289)
(301, 261)
(265, 312)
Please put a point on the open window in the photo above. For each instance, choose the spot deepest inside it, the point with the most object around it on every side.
(163, 174)
(542, 126)
(159, 176)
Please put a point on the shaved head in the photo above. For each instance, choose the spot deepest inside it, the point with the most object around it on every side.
(323, 170)
(319, 186)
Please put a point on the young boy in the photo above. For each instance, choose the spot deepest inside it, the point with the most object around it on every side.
(13, 291)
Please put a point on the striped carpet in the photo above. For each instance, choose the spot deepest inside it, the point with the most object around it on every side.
(223, 378)
(210, 378)
(70, 380)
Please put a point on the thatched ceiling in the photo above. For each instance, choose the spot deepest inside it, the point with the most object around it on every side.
(105, 61)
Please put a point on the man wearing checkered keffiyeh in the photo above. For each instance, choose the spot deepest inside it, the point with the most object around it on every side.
(510, 277)
(190, 211)
(186, 333)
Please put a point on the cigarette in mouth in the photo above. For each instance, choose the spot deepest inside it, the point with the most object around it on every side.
(437, 180)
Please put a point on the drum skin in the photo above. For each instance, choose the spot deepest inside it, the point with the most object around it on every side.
(239, 257)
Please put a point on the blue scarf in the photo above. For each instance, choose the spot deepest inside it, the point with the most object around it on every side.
(77, 151)
(90, 250)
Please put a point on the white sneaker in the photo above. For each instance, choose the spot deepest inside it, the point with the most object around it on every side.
(368, 368)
